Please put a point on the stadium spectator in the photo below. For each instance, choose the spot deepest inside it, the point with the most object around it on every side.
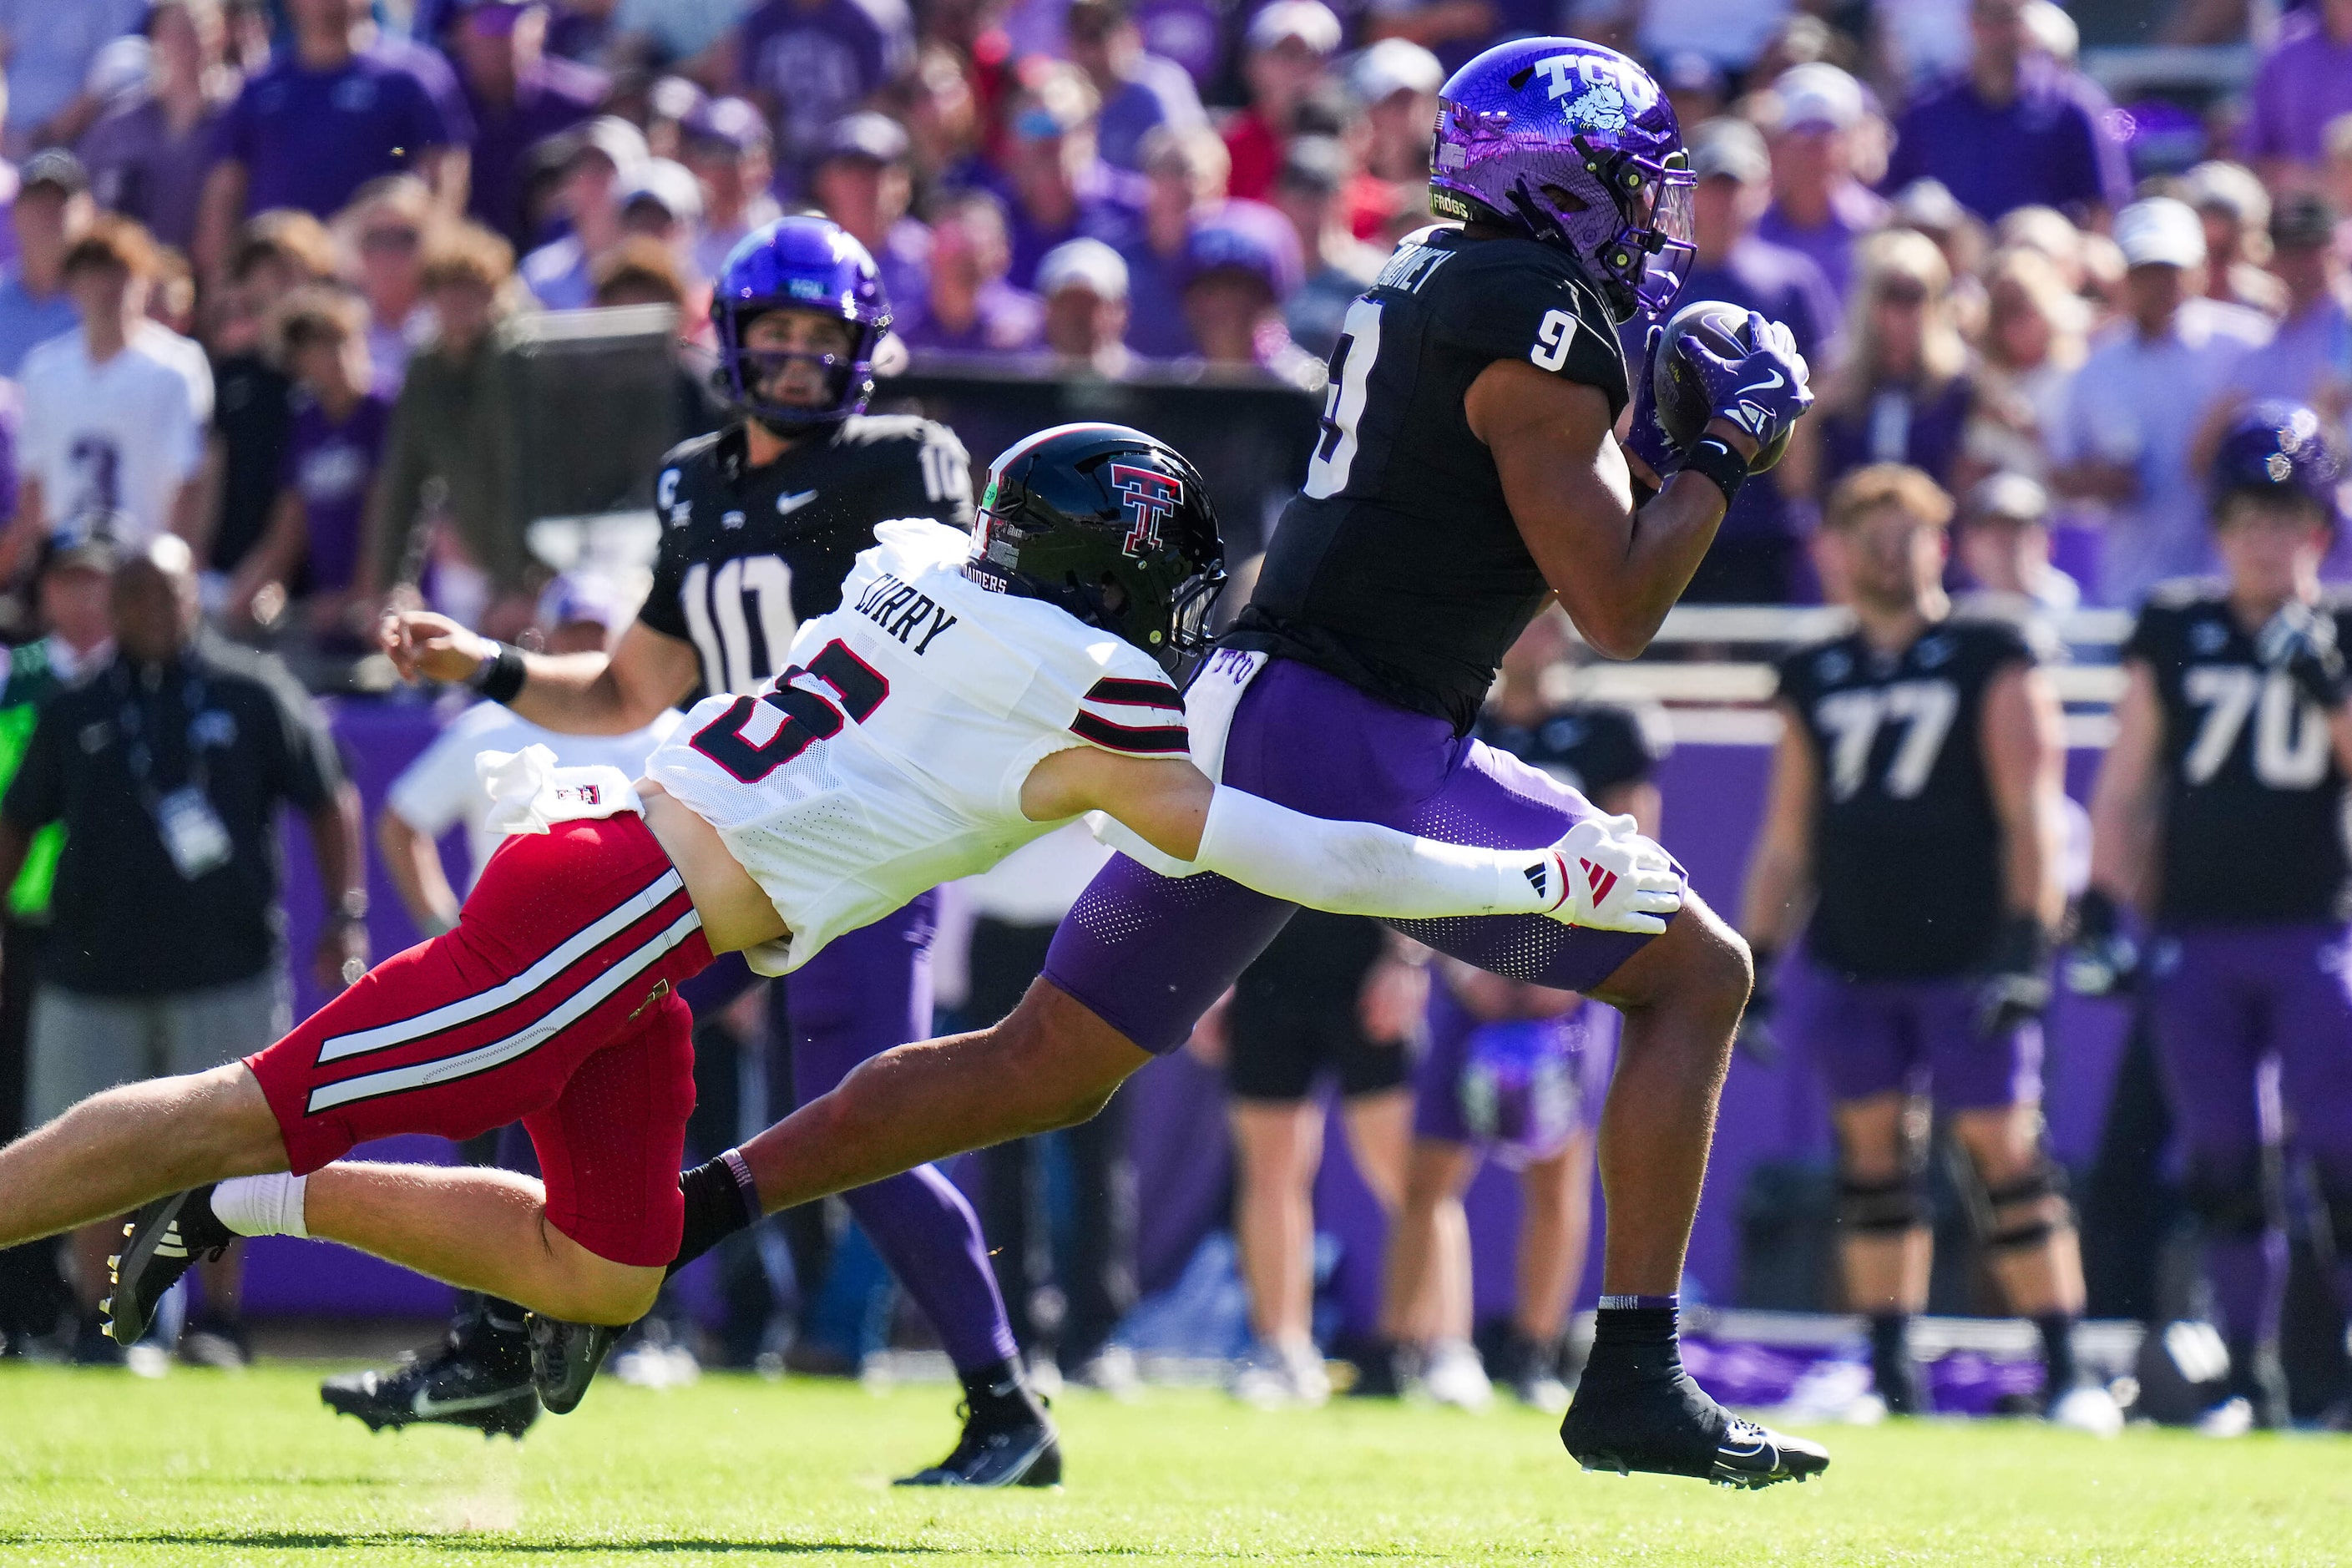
(49, 49)
(1084, 285)
(692, 37)
(1695, 89)
(453, 423)
(310, 552)
(605, 155)
(275, 253)
(1239, 267)
(862, 181)
(2003, 548)
(1184, 183)
(1732, 34)
(52, 210)
(172, 297)
(666, 109)
(2017, 128)
(729, 148)
(1903, 392)
(1819, 207)
(1062, 189)
(2236, 212)
(1017, 904)
(2305, 83)
(167, 769)
(2309, 357)
(944, 122)
(1139, 91)
(1310, 193)
(149, 153)
(382, 237)
(115, 413)
(1397, 83)
(2127, 438)
(971, 309)
(809, 62)
(335, 109)
(2034, 344)
(579, 613)
(519, 96)
(662, 202)
(1755, 557)
(1290, 44)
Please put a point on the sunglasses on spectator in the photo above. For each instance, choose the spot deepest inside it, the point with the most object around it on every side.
(1907, 292)
(391, 239)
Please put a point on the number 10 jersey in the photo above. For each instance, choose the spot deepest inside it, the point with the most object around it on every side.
(888, 756)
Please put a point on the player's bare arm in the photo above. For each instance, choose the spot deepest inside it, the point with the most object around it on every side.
(2127, 801)
(1781, 868)
(577, 693)
(2025, 763)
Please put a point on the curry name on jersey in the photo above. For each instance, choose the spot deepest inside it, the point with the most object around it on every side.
(1907, 844)
(1590, 747)
(888, 756)
(1398, 567)
(747, 554)
(2254, 801)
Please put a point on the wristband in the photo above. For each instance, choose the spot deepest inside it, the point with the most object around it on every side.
(501, 676)
(1712, 458)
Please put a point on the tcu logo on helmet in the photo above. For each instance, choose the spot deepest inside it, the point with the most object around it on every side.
(1152, 499)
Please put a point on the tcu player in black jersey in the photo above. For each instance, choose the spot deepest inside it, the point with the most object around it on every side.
(1915, 834)
(1515, 1071)
(2219, 818)
(759, 525)
(1468, 474)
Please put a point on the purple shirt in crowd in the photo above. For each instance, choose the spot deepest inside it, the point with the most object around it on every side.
(331, 467)
(1896, 427)
(138, 168)
(2307, 353)
(2052, 144)
(1780, 282)
(818, 59)
(1108, 210)
(309, 139)
(2305, 82)
(1007, 320)
(1160, 93)
(552, 97)
(1853, 213)
(1156, 327)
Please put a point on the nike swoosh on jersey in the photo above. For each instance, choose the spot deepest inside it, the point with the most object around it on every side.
(787, 505)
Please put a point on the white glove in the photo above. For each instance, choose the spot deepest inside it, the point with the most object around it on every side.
(1617, 880)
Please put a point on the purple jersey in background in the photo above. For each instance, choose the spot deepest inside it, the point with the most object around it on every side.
(333, 467)
(309, 139)
(814, 60)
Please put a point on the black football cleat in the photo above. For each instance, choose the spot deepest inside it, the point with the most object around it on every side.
(163, 1241)
(1013, 1446)
(564, 1358)
(479, 1378)
(1665, 1424)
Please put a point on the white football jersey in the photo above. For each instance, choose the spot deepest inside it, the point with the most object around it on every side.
(889, 757)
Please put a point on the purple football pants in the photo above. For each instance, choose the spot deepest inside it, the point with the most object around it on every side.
(1149, 954)
(1876, 1037)
(2250, 1020)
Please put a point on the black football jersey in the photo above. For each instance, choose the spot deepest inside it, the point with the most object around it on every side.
(1906, 846)
(2253, 818)
(1398, 567)
(1590, 747)
(747, 554)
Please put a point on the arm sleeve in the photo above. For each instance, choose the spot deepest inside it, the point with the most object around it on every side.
(35, 796)
(1350, 868)
(2147, 640)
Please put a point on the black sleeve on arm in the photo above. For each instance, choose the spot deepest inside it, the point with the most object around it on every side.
(664, 610)
(36, 795)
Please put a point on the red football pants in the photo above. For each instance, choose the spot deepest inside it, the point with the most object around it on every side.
(554, 1002)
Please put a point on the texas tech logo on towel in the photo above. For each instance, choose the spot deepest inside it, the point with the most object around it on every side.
(1151, 497)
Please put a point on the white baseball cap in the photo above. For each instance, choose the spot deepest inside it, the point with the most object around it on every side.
(2160, 232)
(1087, 264)
(1819, 94)
(1394, 66)
(1309, 21)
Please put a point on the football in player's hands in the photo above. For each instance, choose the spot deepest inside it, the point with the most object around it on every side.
(1718, 361)
(1617, 880)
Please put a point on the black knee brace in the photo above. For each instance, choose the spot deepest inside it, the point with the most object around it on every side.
(1883, 1208)
(2233, 1198)
(2044, 1179)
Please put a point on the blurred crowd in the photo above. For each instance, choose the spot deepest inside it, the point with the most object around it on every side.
(262, 256)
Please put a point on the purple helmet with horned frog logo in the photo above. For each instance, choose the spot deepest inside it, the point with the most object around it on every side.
(1574, 145)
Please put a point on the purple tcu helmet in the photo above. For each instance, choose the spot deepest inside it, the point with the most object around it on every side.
(2276, 447)
(809, 263)
(1574, 145)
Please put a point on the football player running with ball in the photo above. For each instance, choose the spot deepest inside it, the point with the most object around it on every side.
(1468, 474)
(2218, 818)
(968, 697)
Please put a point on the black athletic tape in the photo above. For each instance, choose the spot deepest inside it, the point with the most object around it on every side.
(1871, 1209)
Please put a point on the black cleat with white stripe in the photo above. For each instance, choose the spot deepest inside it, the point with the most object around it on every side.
(162, 1241)
(479, 1378)
(1649, 1416)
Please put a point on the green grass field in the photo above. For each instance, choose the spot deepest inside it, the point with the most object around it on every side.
(204, 1468)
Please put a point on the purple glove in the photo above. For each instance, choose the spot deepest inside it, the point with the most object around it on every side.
(1646, 439)
(1764, 391)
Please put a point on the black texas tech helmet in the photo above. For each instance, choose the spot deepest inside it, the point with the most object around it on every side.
(1111, 524)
